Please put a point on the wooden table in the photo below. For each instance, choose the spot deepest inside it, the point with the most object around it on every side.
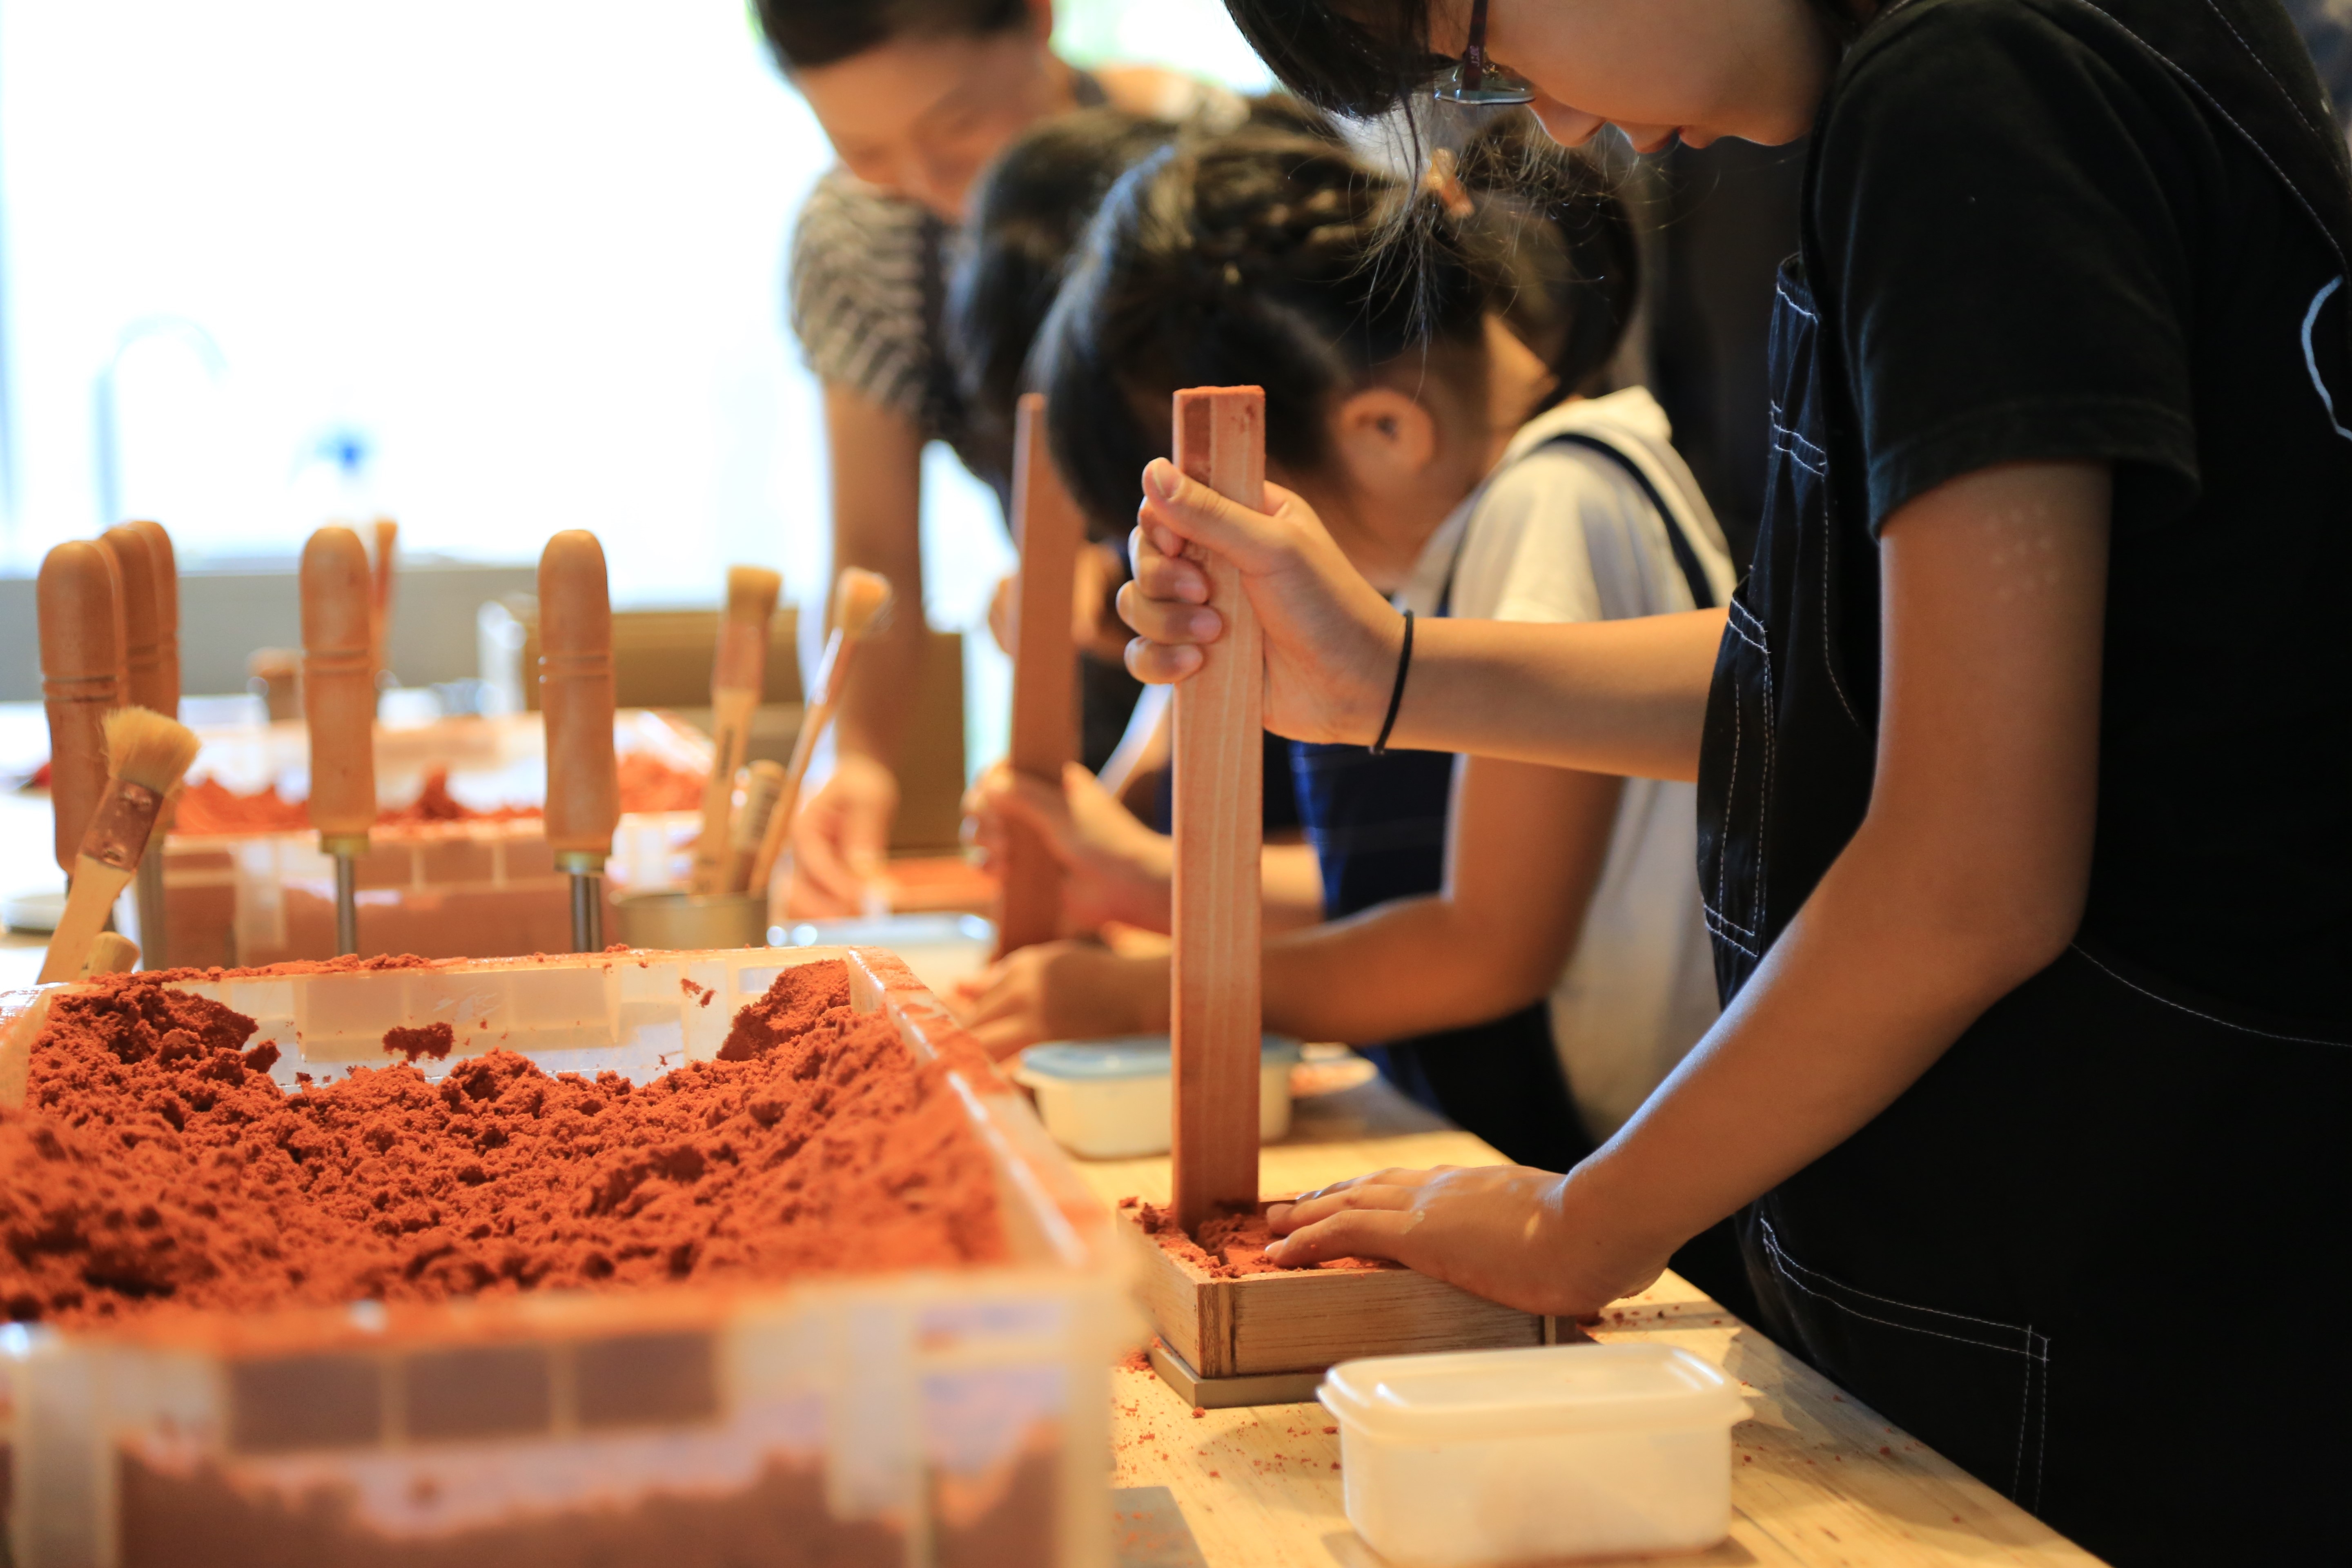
(1817, 1478)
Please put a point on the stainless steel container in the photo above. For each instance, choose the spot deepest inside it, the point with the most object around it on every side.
(687, 922)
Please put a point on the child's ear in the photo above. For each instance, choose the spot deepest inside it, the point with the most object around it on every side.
(1382, 437)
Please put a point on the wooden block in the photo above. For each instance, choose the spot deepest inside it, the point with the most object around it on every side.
(1045, 672)
(1219, 754)
(1281, 1325)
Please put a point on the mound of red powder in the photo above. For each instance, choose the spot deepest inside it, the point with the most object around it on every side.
(207, 806)
(1228, 1245)
(155, 1166)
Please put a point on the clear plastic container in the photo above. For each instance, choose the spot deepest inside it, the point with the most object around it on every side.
(438, 889)
(941, 948)
(899, 1419)
(1561, 1451)
(1116, 1099)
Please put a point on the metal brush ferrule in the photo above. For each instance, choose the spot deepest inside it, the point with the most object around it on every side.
(120, 827)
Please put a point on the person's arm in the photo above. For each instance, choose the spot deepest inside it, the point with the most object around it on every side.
(1114, 867)
(1967, 875)
(1526, 847)
(1625, 696)
(843, 831)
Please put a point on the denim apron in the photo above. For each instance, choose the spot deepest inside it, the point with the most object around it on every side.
(1378, 827)
(2019, 1260)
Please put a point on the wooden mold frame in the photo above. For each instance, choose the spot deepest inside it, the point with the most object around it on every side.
(1260, 1338)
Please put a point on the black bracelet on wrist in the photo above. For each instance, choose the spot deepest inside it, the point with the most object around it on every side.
(1396, 696)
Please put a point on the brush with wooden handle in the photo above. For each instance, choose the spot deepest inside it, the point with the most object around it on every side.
(147, 755)
(387, 538)
(142, 622)
(81, 682)
(112, 953)
(737, 676)
(339, 702)
(575, 700)
(763, 786)
(861, 603)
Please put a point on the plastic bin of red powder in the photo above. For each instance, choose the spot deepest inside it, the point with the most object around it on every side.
(913, 1372)
(458, 865)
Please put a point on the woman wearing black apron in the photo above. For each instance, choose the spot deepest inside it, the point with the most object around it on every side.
(2025, 744)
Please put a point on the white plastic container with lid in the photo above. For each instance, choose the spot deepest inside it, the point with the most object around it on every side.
(1116, 1099)
(1518, 1456)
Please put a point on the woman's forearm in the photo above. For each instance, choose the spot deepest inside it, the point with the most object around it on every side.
(1625, 696)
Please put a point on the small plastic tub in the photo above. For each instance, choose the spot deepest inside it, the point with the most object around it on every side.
(1558, 1451)
(1116, 1099)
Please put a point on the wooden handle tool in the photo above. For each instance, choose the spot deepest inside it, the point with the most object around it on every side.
(164, 697)
(112, 953)
(386, 536)
(737, 676)
(575, 698)
(142, 621)
(1218, 739)
(147, 753)
(1050, 532)
(81, 682)
(339, 702)
(861, 603)
(763, 786)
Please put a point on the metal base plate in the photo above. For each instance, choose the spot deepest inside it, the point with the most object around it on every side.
(1233, 1393)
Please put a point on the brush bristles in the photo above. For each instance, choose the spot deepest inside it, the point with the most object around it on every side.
(861, 602)
(148, 748)
(751, 593)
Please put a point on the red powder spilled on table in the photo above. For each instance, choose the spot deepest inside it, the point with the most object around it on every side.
(156, 1167)
(436, 803)
(435, 1040)
(1228, 1245)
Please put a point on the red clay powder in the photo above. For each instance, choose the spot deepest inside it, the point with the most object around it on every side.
(155, 1166)
(1228, 1245)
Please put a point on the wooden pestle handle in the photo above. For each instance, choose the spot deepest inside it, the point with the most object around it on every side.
(1050, 532)
(134, 561)
(166, 563)
(339, 689)
(575, 700)
(81, 681)
(1218, 739)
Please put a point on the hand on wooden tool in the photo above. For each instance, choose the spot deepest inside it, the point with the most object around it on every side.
(1113, 867)
(1513, 1235)
(1063, 991)
(841, 838)
(1331, 641)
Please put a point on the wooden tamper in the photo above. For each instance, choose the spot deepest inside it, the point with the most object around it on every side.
(81, 681)
(1050, 533)
(575, 700)
(142, 622)
(338, 702)
(737, 674)
(1218, 742)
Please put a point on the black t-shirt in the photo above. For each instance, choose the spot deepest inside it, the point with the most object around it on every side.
(2033, 239)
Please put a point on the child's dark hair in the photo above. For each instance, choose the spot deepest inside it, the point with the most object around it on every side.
(1366, 58)
(1024, 220)
(807, 33)
(1262, 259)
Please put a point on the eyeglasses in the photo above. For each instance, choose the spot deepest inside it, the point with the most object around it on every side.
(1477, 81)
